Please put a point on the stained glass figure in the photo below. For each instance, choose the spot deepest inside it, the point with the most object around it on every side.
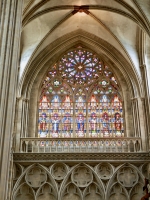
(67, 123)
(93, 125)
(55, 125)
(80, 125)
(105, 124)
(67, 128)
(43, 125)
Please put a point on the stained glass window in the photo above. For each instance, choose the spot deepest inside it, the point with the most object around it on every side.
(80, 97)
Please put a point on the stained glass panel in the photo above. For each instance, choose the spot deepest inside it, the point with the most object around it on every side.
(80, 97)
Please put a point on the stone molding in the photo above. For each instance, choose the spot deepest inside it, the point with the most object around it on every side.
(71, 157)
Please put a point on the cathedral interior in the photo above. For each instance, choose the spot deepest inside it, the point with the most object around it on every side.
(75, 99)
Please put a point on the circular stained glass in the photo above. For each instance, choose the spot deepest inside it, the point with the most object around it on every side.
(80, 66)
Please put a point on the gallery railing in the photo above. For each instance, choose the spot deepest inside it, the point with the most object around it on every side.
(101, 145)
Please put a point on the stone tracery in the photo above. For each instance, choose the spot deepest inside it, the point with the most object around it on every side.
(80, 182)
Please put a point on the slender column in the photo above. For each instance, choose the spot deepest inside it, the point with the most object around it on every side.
(11, 15)
(24, 123)
(21, 121)
(142, 119)
(147, 98)
(87, 122)
(74, 117)
(16, 139)
(136, 123)
(139, 120)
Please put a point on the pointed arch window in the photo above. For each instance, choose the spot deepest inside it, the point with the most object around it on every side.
(80, 97)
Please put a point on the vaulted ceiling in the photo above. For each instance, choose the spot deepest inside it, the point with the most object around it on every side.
(123, 24)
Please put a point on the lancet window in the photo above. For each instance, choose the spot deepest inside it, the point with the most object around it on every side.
(80, 97)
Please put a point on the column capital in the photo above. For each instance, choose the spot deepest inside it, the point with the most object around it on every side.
(143, 66)
(142, 98)
(25, 100)
(18, 98)
(134, 99)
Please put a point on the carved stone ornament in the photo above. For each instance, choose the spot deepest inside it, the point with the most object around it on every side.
(146, 170)
(127, 176)
(104, 170)
(82, 176)
(93, 192)
(37, 157)
(80, 181)
(137, 191)
(24, 193)
(117, 193)
(59, 171)
(46, 193)
(35, 177)
(71, 193)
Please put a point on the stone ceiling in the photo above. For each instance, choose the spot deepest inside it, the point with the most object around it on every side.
(119, 22)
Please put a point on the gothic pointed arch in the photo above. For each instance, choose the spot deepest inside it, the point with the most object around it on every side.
(80, 97)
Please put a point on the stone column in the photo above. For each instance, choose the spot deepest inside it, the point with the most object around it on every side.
(138, 110)
(136, 122)
(10, 27)
(21, 120)
(17, 125)
(146, 99)
(74, 117)
(24, 120)
(142, 119)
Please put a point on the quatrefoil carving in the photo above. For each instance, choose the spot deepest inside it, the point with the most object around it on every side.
(127, 176)
(82, 176)
(104, 170)
(35, 177)
(59, 171)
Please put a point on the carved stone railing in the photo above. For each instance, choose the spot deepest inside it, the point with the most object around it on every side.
(99, 145)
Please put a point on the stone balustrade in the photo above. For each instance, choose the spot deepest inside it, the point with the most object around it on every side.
(101, 145)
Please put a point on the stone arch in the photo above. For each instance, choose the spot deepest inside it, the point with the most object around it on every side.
(93, 191)
(137, 191)
(117, 192)
(59, 171)
(46, 191)
(84, 165)
(39, 75)
(29, 85)
(24, 192)
(65, 43)
(44, 176)
(130, 181)
(71, 191)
